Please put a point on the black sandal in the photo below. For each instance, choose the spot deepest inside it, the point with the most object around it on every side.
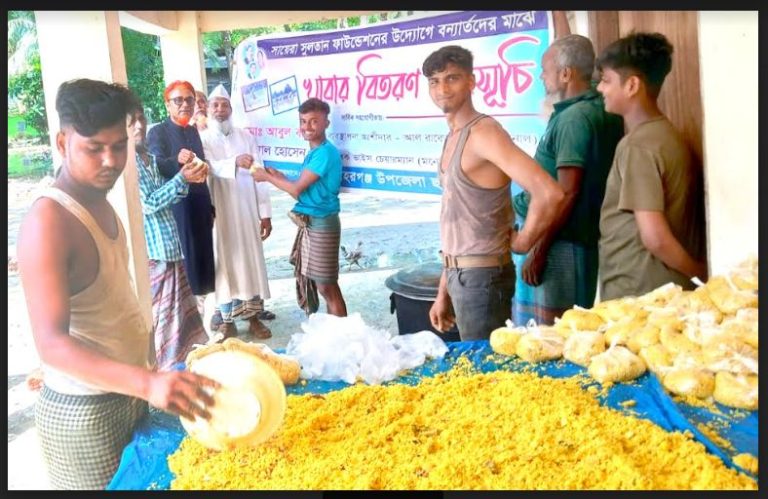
(265, 315)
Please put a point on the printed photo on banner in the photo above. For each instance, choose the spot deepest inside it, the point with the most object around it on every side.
(284, 95)
(254, 60)
(255, 95)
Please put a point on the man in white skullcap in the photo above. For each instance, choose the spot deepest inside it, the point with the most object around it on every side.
(243, 221)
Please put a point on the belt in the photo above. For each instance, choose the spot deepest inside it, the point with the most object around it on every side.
(470, 261)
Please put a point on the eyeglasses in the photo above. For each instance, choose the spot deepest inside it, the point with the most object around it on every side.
(181, 100)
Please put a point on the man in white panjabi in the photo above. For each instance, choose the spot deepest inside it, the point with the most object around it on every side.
(243, 221)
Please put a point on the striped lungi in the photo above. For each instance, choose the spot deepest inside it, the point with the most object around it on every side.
(177, 323)
(569, 278)
(320, 249)
(83, 436)
(241, 309)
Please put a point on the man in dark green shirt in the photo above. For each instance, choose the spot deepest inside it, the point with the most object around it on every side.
(577, 149)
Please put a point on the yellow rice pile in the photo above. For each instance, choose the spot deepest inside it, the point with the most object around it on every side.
(500, 430)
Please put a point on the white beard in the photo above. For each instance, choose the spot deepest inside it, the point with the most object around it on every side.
(222, 127)
(548, 105)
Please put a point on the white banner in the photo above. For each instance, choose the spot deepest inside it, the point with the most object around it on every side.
(383, 121)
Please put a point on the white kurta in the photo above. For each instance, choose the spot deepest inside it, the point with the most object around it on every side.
(240, 205)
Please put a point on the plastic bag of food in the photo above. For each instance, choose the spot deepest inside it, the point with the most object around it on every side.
(730, 354)
(661, 295)
(736, 390)
(581, 346)
(693, 381)
(617, 363)
(742, 326)
(728, 297)
(675, 341)
(667, 316)
(504, 339)
(745, 275)
(657, 358)
(577, 319)
(646, 336)
(619, 309)
(540, 343)
(620, 332)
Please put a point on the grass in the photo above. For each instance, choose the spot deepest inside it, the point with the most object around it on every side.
(13, 123)
(35, 167)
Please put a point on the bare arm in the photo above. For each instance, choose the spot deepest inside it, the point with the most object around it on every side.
(279, 180)
(547, 196)
(569, 178)
(560, 23)
(441, 313)
(45, 252)
(657, 237)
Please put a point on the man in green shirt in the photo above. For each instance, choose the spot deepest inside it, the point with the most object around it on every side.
(651, 218)
(560, 271)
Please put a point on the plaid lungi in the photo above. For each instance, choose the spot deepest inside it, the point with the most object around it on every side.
(569, 278)
(83, 436)
(177, 323)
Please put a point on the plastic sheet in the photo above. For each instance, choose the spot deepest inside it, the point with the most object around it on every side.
(144, 463)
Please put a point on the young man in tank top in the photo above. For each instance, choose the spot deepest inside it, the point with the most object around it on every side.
(93, 343)
(478, 162)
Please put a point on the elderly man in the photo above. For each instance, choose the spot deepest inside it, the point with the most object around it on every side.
(175, 142)
(200, 118)
(244, 212)
(90, 335)
(560, 271)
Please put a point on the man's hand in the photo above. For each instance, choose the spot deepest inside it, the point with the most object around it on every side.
(185, 156)
(182, 393)
(244, 161)
(260, 175)
(194, 173)
(266, 228)
(534, 266)
(441, 313)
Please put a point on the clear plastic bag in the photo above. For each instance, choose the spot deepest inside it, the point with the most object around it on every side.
(347, 349)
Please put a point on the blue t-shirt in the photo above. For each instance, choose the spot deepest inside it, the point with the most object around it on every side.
(321, 198)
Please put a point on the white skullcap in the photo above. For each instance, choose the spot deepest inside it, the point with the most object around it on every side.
(219, 91)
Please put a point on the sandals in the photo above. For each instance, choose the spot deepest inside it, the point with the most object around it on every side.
(259, 330)
(265, 315)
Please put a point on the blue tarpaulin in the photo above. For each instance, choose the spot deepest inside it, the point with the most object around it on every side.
(144, 464)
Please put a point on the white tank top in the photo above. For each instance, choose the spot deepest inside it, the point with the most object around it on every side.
(106, 315)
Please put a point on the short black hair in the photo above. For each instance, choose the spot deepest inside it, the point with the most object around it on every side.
(314, 104)
(450, 54)
(92, 105)
(647, 55)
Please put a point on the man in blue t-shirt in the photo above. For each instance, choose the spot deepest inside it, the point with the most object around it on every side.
(316, 249)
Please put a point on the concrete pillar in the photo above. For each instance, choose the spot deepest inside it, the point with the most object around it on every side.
(88, 44)
(728, 53)
(182, 52)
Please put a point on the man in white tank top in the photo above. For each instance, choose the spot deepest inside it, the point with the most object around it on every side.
(476, 169)
(93, 343)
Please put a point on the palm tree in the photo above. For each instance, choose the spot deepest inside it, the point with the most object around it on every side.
(22, 41)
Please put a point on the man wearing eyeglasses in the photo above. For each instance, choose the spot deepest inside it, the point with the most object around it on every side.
(175, 142)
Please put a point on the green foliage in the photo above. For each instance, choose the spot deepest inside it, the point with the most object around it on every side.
(36, 165)
(27, 89)
(144, 66)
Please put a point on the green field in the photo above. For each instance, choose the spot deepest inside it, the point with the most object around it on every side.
(13, 123)
(37, 165)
